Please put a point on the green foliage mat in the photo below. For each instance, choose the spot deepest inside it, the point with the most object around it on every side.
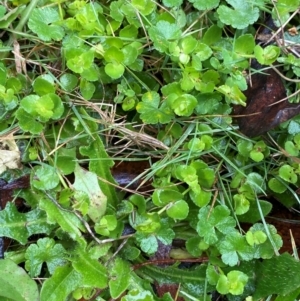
(87, 84)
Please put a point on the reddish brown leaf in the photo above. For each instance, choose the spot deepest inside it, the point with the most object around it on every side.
(260, 115)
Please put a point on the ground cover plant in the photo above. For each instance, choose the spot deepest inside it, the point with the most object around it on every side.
(198, 100)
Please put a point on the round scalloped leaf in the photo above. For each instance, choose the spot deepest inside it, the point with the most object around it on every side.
(68, 81)
(42, 22)
(277, 186)
(201, 198)
(27, 123)
(241, 204)
(114, 55)
(203, 52)
(267, 55)
(129, 103)
(130, 54)
(178, 210)
(212, 35)
(162, 197)
(188, 44)
(42, 86)
(291, 148)
(244, 44)
(256, 182)
(286, 172)
(80, 62)
(240, 16)
(58, 109)
(256, 155)
(146, 7)
(87, 89)
(205, 5)
(244, 147)
(44, 177)
(162, 33)
(184, 105)
(172, 3)
(114, 70)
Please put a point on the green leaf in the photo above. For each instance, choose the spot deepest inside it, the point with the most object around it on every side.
(162, 197)
(172, 3)
(233, 94)
(100, 163)
(162, 33)
(44, 177)
(265, 249)
(240, 16)
(206, 175)
(241, 204)
(81, 61)
(178, 210)
(256, 182)
(120, 277)
(256, 237)
(267, 55)
(287, 271)
(148, 243)
(203, 52)
(287, 173)
(277, 186)
(42, 22)
(183, 105)
(42, 86)
(87, 89)
(138, 295)
(114, 55)
(58, 109)
(68, 81)
(234, 248)
(291, 148)
(188, 44)
(212, 35)
(87, 182)
(253, 214)
(244, 147)
(294, 127)
(150, 111)
(27, 123)
(16, 285)
(205, 5)
(200, 198)
(67, 220)
(195, 246)
(233, 283)
(7, 19)
(92, 272)
(62, 283)
(45, 250)
(146, 7)
(106, 224)
(114, 70)
(165, 234)
(211, 222)
(244, 44)
(130, 54)
(20, 226)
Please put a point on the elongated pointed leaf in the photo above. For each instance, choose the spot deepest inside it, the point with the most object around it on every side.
(63, 282)
(87, 182)
(16, 284)
(92, 272)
